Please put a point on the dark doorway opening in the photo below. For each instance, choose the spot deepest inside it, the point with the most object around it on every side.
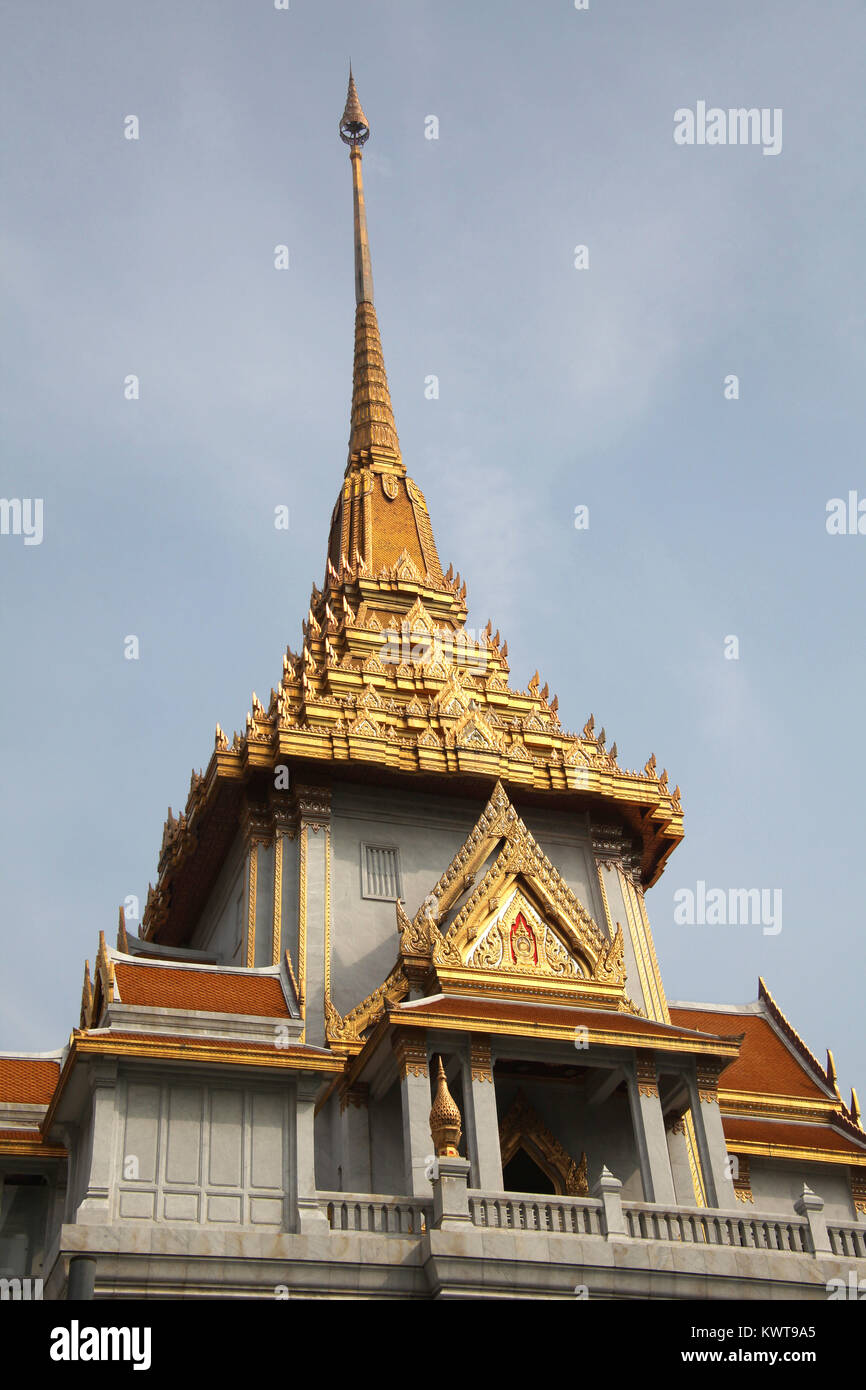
(522, 1174)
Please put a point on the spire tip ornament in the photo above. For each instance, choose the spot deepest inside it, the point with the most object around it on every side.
(354, 129)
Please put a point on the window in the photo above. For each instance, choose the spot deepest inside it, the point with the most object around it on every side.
(380, 872)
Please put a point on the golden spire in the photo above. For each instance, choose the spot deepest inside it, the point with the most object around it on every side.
(373, 431)
(445, 1125)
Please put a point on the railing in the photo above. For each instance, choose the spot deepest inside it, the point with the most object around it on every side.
(508, 1212)
(390, 1216)
(848, 1240)
(700, 1226)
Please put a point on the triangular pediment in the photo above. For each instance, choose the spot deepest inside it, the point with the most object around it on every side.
(502, 919)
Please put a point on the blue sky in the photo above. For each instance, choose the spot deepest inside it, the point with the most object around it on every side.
(558, 387)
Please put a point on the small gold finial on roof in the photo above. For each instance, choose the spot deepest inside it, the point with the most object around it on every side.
(445, 1123)
(122, 939)
(354, 129)
(855, 1108)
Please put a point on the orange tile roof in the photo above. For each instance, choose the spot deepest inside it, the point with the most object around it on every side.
(820, 1138)
(765, 1065)
(28, 1080)
(171, 987)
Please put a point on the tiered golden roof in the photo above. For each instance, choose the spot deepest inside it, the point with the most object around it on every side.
(388, 674)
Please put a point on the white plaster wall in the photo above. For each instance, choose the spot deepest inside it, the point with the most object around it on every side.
(386, 1143)
(203, 1152)
(428, 832)
(777, 1185)
(222, 921)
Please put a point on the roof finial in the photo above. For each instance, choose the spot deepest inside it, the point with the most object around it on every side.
(354, 129)
(373, 426)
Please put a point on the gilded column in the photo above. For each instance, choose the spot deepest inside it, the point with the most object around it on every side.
(251, 900)
(314, 907)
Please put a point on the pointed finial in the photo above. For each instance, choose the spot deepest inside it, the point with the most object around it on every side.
(855, 1108)
(445, 1124)
(122, 942)
(354, 129)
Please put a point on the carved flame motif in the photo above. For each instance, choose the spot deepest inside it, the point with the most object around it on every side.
(527, 944)
(522, 941)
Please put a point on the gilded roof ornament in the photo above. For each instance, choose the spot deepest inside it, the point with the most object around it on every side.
(354, 127)
(445, 1123)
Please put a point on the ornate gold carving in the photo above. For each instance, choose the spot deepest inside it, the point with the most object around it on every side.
(411, 1054)
(369, 1011)
(858, 1188)
(523, 1128)
(278, 899)
(480, 1060)
(314, 806)
(647, 1078)
(302, 918)
(86, 1016)
(327, 911)
(251, 917)
(743, 1179)
(708, 1084)
(356, 1094)
(445, 1123)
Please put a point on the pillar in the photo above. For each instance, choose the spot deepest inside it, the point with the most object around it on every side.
(710, 1136)
(415, 1102)
(355, 1138)
(310, 1218)
(649, 1129)
(95, 1205)
(482, 1120)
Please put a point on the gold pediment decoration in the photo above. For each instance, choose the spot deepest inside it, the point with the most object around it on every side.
(346, 1034)
(502, 920)
(523, 1128)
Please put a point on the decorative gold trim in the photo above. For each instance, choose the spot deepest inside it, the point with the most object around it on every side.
(278, 898)
(411, 1055)
(471, 1023)
(328, 913)
(647, 1076)
(251, 915)
(480, 1059)
(302, 919)
(695, 1167)
(25, 1148)
(793, 1107)
(743, 1180)
(340, 1030)
(761, 1150)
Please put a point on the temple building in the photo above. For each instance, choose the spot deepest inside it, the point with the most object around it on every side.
(393, 1024)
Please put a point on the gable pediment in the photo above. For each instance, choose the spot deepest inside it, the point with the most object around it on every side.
(502, 919)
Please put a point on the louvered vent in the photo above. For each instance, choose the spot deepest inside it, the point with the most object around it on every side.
(380, 872)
